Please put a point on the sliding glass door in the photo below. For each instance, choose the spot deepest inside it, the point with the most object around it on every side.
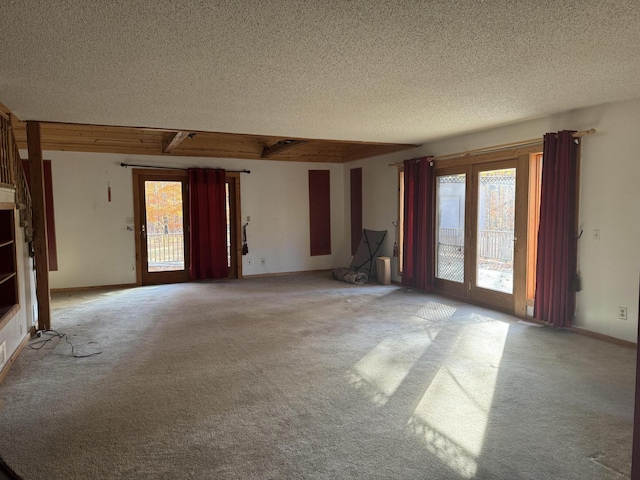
(476, 223)
(493, 233)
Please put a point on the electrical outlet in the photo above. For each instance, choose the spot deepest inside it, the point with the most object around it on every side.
(263, 261)
(3, 353)
(622, 313)
(133, 268)
(248, 260)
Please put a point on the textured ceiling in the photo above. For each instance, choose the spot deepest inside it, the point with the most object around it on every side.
(372, 70)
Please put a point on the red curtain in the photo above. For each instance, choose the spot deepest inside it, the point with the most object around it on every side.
(418, 269)
(208, 217)
(557, 239)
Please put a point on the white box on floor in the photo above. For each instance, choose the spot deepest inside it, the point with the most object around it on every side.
(383, 270)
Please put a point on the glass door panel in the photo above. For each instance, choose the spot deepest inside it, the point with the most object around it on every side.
(164, 226)
(450, 224)
(162, 247)
(495, 229)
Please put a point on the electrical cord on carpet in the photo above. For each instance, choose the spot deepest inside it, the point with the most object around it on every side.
(54, 334)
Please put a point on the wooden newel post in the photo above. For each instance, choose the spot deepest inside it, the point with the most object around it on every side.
(36, 168)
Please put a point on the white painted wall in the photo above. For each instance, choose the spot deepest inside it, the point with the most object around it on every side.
(379, 202)
(276, 197)
(609, 201)
(95, 248)
(16, 330)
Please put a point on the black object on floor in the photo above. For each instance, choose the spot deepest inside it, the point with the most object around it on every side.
(368, 250)
(6, 473)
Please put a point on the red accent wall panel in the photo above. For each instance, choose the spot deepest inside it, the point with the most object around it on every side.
(51, 221)
(320, 211)
(356, 208)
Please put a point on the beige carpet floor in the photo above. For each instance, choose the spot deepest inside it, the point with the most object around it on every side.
(303, 377)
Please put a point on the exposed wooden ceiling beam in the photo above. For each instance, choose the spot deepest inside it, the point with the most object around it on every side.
(171, 141)
(149, 141)
(372, 150)
(280, 147)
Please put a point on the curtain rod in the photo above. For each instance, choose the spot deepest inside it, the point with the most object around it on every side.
(497, 148)
(125, 165)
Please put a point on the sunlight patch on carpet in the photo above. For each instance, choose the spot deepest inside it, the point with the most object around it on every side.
(452, 416)
(435, 312)
(381, 371)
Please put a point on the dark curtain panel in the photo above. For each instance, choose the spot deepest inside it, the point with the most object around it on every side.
(556, 265)
(418, 268)
(208, 218)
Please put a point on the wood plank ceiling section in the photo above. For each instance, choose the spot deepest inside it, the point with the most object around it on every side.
(153, 141)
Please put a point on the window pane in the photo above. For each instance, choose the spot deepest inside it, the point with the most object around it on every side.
(535, 186)
(450, 200)
(496, 222)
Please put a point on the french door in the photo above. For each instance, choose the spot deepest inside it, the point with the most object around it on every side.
(480, 234)
(161, 207)
(161, 204)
